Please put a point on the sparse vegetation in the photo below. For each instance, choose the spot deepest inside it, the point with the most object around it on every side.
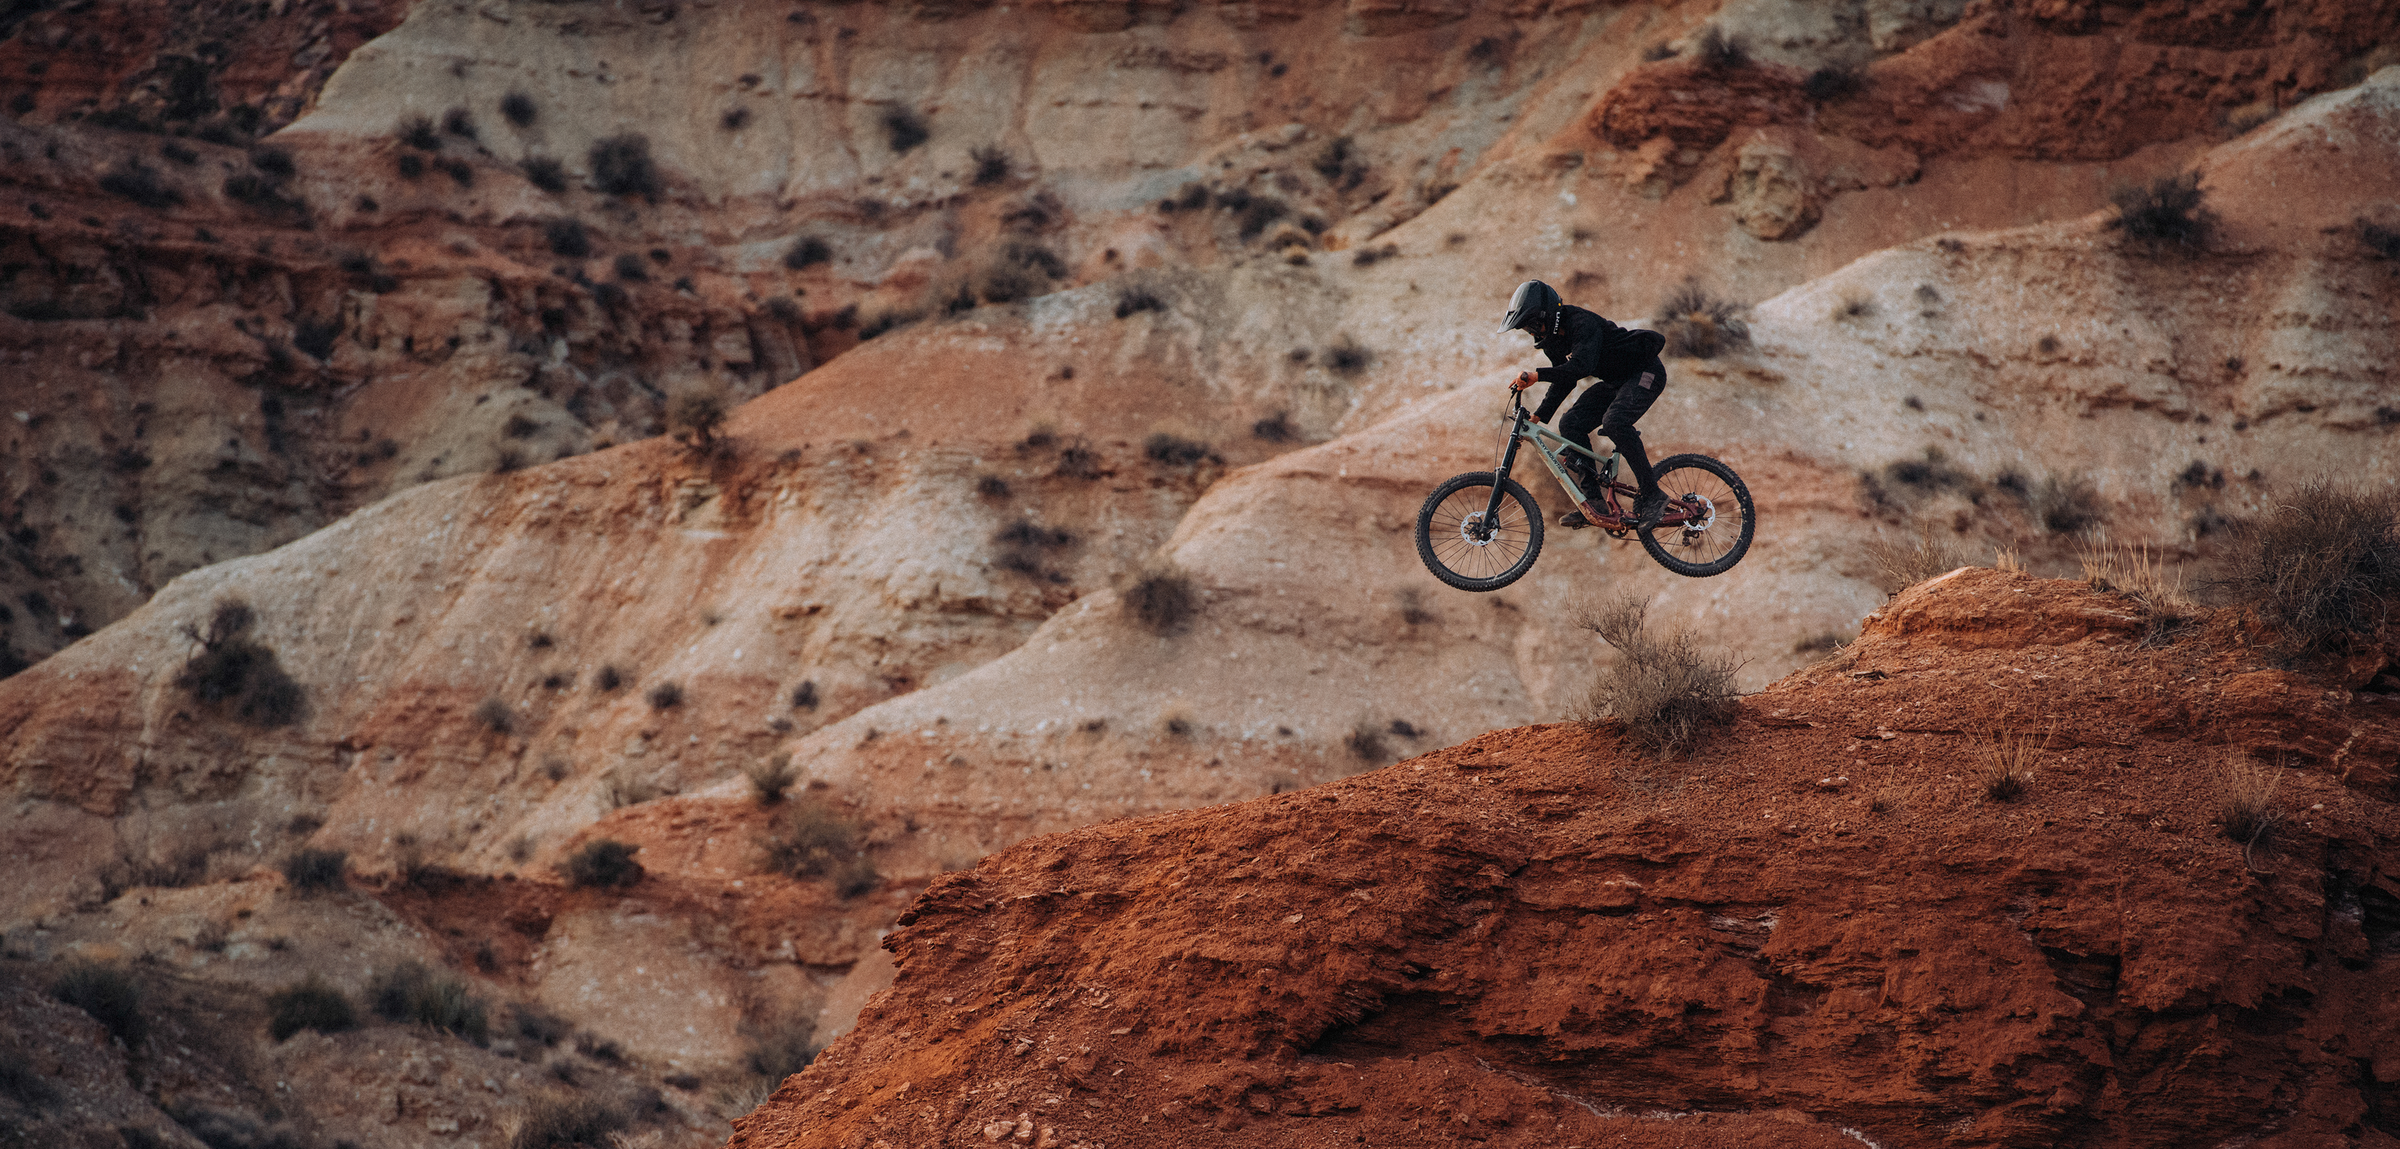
(537, 1025)
(2168, 211)
(519, 109)
(629, 268)
(2133, 569)
(1174, 450)
(1134, 300)
(609, 679)
(1079, 461)
(904, 128)
(1162, 599)
(603, 863)
(621, 166)
(544, 173)
(2324, 566)
(309, 870)
(1719, 52)
(991, 486)
(418, 132)
(992, 166)
(569, 1123)
(2067, 504)
(410, 165)
(806, 252)
(782, 1046)
(459, 122)
(2245, 792)
(109, 993)
(734, 119)
(231, 667)
(308, 1004)
(1347, 357)
(1900, 565)
(2382, 242)
(1700, 325)
(770, 777)
(1275, 428)
(1833, 82)
(804, 696)
(1021, 545)
(695, 415)
(624, 786)
(494, 716)
(665, 696)
(140, 183)
(1664, 688)
(1365, 743)
(817, 841)
(2008, 762)
(1370, 256)
(567, 237)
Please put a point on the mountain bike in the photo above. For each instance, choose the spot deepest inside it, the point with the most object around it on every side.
(1482, 530)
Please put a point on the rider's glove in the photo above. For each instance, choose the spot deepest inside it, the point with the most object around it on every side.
(1524, 380)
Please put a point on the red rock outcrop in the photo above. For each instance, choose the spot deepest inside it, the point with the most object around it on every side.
(1819, 928)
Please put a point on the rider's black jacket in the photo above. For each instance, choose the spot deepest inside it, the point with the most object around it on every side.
(1580, 344)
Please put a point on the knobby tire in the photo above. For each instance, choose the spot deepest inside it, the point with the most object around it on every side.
(1459, 562)
(1698, 554)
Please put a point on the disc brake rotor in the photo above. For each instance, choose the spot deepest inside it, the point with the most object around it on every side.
(1466, 530)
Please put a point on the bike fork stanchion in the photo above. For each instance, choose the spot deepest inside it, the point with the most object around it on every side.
(1491, 510)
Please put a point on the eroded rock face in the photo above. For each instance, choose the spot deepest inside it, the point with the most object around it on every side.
(1819, 924)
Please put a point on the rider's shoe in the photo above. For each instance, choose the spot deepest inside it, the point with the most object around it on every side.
(1573, 520)
(1647, 507)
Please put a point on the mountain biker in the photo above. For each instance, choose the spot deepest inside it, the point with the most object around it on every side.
(1581, 344)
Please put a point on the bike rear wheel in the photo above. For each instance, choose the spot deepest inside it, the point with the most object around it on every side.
(1719, 533)
(1456, 547)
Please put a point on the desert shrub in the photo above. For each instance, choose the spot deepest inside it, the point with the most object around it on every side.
(625, 786)
(807, 251)
(569, 1123)
(782, 1046)
(609, 679)
(1347, 357)
(628, 267)
(316, 336)
(1900, 565)
(1664, 688)
(494, 715)
(621, 166)
(734, 119)
(1162, 599)
(991, 486)
(1370, 256)
(1832, 82)
(180, 866)
(535, 1024)
(815, 840)
(904, 128)
(770, 777)
(518, 108)
(1173, 450)
(140, 183)
(804, 696)
(567, 237)
(410, 166)
(411, 993)
(459, 171)
(2382, 242)
(599, 1049)
(1700, 325)
(2245, 794)
(418, 132)
(459, 122)
(2066, 504)
(2325, 566)
(274, 163)
(604, 863)
(992, 166)
(231, 667)
(2133, 569)
(1078, 461)
(544, 173)
(2007, 767)
(1365, 743)
(1275, 428)
(312, 869)
(1719, 52)
(694, 416)
(109, 993)
(1256, 212)
(2166, 211)
(308, 1004)
(1134, 300)
(853, 876)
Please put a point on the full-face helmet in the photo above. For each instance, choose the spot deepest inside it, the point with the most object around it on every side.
(1531, 307)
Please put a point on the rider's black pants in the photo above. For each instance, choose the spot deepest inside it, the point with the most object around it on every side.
(1612, 406)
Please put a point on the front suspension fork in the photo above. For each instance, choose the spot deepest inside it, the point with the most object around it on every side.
(1491, 510)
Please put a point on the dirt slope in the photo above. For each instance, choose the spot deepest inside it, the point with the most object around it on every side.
(1818, 929)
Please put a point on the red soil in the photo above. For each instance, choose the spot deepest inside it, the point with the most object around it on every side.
(1816, 931)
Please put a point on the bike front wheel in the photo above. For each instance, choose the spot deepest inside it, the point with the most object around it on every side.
(1464, 550)
(1714, 532)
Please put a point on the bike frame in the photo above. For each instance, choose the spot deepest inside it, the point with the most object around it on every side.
(1548, 443)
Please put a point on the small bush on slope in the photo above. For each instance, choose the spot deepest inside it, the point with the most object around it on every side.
(1663, 687)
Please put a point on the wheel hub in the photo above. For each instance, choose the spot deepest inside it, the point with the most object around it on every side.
(1704, 514)
(1469, 529)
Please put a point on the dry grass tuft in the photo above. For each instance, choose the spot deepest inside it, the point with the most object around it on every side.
(1901, 565)
(818, 841)
(2008, 763)
(2326, 566)
(1666, 690)
(2134, 569)
(770, 777)
(2245, 790)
